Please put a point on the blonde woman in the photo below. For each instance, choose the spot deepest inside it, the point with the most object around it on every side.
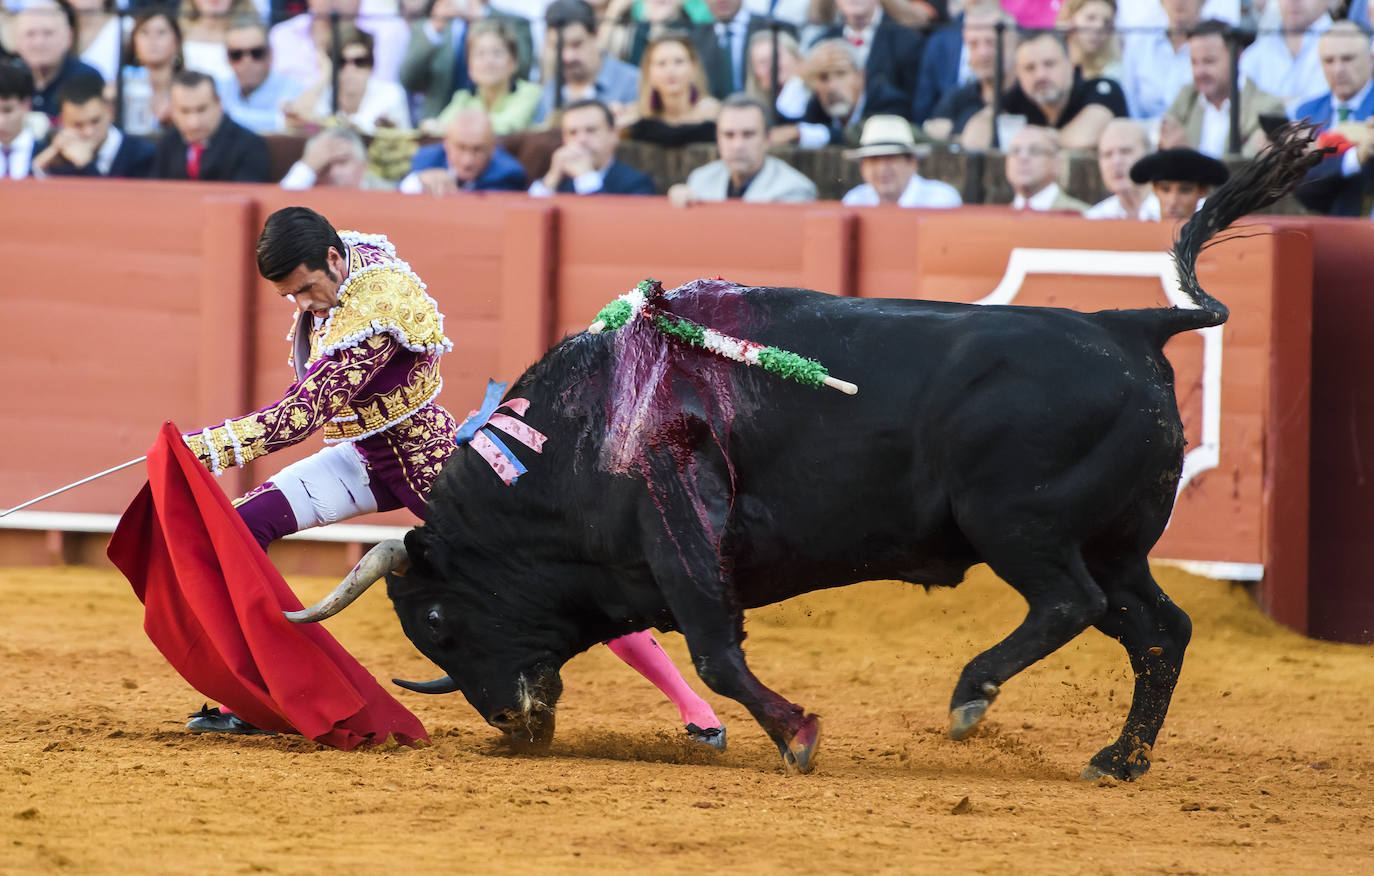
(493, 58)
(674, 107)
(1091, 37)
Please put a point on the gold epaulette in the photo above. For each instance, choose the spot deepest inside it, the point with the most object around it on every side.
(382, 299)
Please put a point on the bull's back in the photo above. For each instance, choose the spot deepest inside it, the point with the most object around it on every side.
(958, 405)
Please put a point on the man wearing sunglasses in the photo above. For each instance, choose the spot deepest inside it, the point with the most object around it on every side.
(254, 95)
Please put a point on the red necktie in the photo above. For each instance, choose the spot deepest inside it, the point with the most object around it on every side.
(193, 153)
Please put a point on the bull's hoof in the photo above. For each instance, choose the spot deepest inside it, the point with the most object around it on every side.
(712, 736)
(798, 755)
(1111, 762)
(964, 718)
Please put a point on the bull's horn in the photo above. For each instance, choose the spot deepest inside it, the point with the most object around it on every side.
(437, 686)
(388, 556)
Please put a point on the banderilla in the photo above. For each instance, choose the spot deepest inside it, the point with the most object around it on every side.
(108, 471)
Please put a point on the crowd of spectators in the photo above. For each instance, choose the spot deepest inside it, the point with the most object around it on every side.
(130, 88)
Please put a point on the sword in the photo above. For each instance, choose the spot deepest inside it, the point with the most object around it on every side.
(120, 467)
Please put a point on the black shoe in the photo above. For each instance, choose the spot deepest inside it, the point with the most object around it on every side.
(209, 720)
(712, 736)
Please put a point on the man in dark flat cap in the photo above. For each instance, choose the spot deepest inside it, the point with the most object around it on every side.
(1181, 178)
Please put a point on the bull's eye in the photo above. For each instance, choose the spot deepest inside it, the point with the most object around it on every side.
(434, 619)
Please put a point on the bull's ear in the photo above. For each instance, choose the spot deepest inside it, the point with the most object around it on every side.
(417, 547)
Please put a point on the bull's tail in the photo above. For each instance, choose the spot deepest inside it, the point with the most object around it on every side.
(1272, 174)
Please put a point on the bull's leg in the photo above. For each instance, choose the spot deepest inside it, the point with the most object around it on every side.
(1155, 633)
(1063, 601)
(715, 644)
(696, 589)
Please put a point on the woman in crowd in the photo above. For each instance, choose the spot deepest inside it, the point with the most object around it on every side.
(1091, 37)
(627, 26)
(154, 57)
(365, 101)
(793, 95)
(97, 38)
(203, 26)
(493, 58)
(674, 108)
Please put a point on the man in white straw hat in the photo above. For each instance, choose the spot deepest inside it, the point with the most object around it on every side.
(887, 162)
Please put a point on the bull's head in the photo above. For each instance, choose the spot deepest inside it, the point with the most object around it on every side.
(510, 681)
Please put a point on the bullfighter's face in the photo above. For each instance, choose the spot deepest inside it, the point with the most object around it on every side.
(316, 291)
(512, 684)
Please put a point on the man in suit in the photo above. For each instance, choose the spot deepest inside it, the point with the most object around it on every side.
(43, 33)
(436, 61)
(17, 145)
(588, 73)
(889, 53)
(1346, 62)
(1337, 186)
(745, 171)
(1034, 165)
(723, 45)
(89, 144)
(1200, 117)
(585, 164)
(202, 142)
(840, 101)
(961, 103)
(944, 66)
(468, 160)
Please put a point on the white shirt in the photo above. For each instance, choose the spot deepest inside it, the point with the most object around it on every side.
(1041, 200)
(380, 100)
(105, 155)
(1110, 208)
(588, 183)
(864, 36)
(21, 156)
(1291, 79)
(1216, 127)
(212, 59)
(919, 192)
(793, 11)
(1132, 14)
(103, 52)
(300, 177)
(1153, 73)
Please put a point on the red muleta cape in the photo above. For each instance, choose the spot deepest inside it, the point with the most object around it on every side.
(213, 607)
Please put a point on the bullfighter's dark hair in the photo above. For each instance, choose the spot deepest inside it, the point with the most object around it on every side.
(591, 101)
(15, 79)
(80, 90)
(295, 236)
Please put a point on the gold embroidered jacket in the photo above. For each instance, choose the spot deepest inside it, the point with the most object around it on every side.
(371, 365)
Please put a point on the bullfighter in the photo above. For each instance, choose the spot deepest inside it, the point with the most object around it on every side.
(365, 347)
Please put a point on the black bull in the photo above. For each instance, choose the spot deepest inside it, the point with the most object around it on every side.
(677, 489)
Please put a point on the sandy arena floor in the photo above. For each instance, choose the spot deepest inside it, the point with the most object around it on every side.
(1266, 764)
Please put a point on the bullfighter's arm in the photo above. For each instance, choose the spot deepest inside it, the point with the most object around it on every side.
(329, 386)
